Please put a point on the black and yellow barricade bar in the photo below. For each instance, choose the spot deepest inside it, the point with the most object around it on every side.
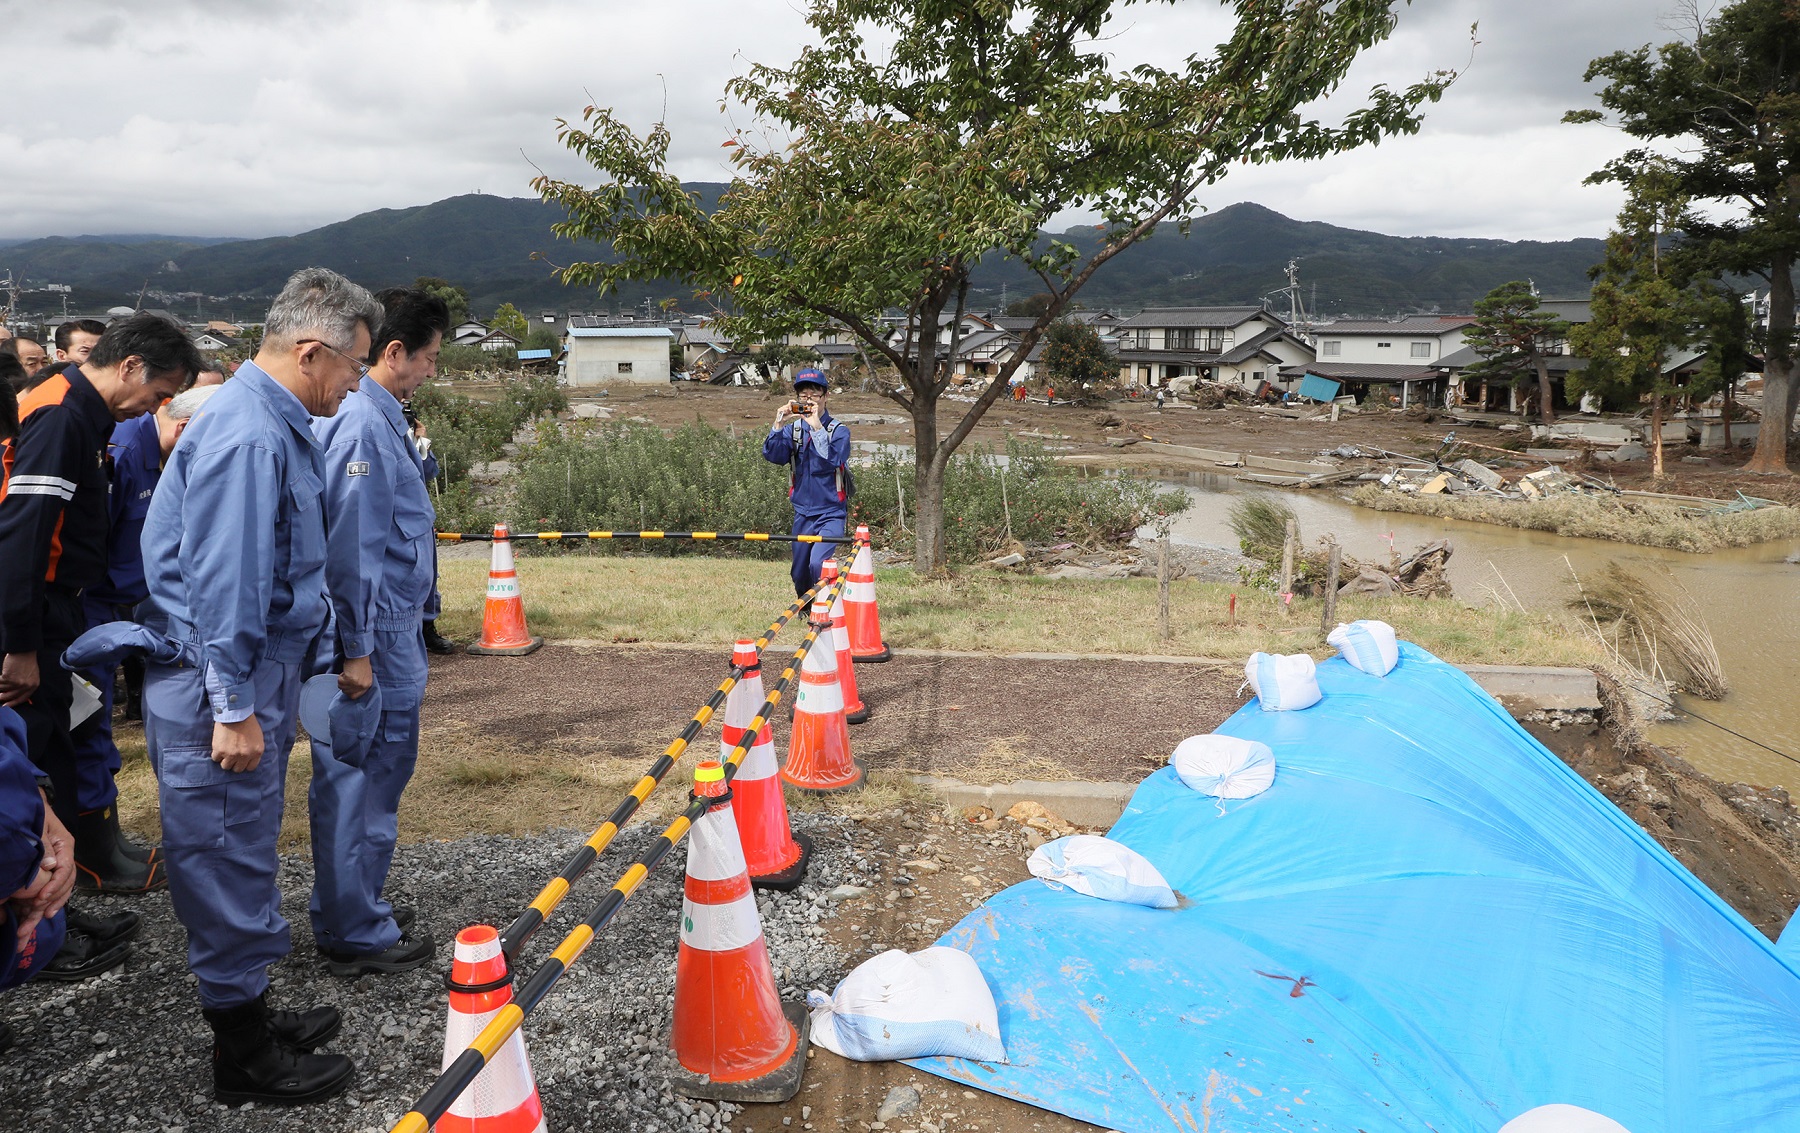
(572, 536)
(528, 922)
(466, 1066)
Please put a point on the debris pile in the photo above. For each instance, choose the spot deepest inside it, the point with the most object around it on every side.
(1468, 477)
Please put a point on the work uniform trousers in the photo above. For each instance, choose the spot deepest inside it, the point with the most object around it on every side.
(809, 558)
(46, 714)
(355, 810)
(96, 755)
(219, 827)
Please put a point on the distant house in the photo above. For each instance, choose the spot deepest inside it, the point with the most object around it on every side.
(467, 333)
(1418, 340)
(216, 342)
(495, 341)
(537, 359)
(1505, 395)
(599, 355)
(1163, 346)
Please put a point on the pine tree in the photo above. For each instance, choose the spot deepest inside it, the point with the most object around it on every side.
(1513, 335)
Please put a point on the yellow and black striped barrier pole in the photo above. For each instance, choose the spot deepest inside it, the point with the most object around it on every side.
(469, 1064)
(573, 536)
(528, 922)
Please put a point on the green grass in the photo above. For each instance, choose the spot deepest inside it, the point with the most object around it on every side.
(1646, 523)
(694, 599)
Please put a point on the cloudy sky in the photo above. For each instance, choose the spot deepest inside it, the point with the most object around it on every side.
(257, 118)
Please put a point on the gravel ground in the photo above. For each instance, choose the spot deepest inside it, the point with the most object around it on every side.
(129, 1050)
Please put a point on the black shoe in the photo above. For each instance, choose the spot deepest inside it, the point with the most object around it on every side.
(104, 931)
(404, 915)
(304, 1030)
(409, 952)
(81, 958)
(251, 1063)
(436, 642)
(107, 862)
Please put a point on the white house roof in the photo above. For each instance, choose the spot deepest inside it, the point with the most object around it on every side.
(621, 332)
(1417, 324)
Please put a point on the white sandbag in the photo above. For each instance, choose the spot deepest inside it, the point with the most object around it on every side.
(1225, 766)
(1369, 645)
(917, 1005)
(1282, 682)
(1560, 1118)
(1103, 868)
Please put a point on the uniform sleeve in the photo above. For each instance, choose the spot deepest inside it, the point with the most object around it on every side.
(839, 456)
(46, 467)
(779, 447)
(21, 809)
(228, 567)
(359, 521)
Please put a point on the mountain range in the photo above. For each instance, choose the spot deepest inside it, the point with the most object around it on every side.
(501, 250)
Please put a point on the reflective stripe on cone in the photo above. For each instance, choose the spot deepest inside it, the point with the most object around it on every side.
(860, 612)
(503, 1098)
(775, 856)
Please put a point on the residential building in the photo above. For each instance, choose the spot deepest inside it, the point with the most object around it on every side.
(596, 354)
(1169, 346)
(1417, 340)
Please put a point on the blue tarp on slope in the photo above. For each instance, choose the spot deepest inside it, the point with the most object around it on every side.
(1428, 923)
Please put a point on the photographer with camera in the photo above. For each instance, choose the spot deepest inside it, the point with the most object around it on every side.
(816, 450)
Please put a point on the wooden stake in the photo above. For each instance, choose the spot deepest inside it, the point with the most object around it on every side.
(1162, 588)
(1328, 621)
(1287, 566)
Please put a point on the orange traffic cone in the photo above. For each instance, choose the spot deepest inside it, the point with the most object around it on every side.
(776, 857)
(819, 746)
(503, 1098)
(863, 619)
(733, 1037)
(855, 711)
(503, 632)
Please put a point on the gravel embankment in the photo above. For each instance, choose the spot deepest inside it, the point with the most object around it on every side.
(129, 1051)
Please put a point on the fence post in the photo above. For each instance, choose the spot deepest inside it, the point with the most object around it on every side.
(1162, 588)
(1328, 620)
(1287, 566)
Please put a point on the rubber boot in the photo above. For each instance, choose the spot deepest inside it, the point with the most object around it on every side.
(105, 860)
(252, 1064)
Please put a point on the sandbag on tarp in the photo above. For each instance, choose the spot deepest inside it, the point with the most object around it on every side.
(1427, 922)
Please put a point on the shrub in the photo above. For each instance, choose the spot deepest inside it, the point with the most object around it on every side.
(466, 431)
(628, 476)
(1048, 502)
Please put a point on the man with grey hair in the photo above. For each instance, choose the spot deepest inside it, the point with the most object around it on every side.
(234, 555)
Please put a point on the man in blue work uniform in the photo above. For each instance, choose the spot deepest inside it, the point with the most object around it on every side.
(234, 554)
(109, 862)
(37, 872)
(816, 450)
(53, 531)
(379, 572)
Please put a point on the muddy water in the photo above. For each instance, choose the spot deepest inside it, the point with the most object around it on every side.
(1750, 598)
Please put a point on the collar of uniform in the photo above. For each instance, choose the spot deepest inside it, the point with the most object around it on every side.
(88, 401)
(141, 436)
(386, 402)
(280, 399)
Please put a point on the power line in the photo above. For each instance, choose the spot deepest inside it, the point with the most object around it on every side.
(1716, 724)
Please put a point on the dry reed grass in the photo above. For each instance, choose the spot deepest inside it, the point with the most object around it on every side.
(1654, 626)
(1644, 523)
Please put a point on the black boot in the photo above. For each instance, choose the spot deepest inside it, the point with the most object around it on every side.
(304, 1030)
(107, 862)
(252, 1064)
(436, 642)
(104, 931)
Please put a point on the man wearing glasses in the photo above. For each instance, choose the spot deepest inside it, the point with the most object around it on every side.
(234, 556)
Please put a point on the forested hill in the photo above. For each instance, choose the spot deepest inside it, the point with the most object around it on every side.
(1236, 255)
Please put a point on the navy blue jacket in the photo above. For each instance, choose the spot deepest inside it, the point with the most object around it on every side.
(817, 481)
(136, 454)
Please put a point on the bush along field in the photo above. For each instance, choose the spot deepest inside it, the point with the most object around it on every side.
(629, 475)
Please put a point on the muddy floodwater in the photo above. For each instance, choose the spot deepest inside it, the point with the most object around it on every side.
(1750, 598)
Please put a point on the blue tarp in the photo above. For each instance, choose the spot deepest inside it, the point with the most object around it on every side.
(1428, 922)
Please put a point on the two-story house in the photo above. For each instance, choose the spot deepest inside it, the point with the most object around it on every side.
(1177, 346)
(1401, 355)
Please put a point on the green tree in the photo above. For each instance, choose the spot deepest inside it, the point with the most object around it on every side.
(1031, 306)
(1512, 334)
(1074, 353)
(1728, 99)
(917, 136)
(508, 318)
(454, 297)
(1641, 312)
(543, 337)
(771, 358)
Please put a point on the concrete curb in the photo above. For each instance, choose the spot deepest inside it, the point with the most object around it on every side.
(1083, 803)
